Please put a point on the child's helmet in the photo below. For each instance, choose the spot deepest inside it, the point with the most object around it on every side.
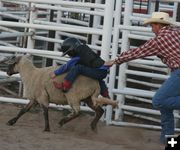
(69, 45)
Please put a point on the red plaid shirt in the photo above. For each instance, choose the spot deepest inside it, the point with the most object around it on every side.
(166, 46)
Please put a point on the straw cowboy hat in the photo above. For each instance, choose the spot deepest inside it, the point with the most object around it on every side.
(159, 17)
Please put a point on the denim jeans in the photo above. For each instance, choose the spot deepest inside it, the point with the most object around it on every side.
(95, 73)
(167, 99)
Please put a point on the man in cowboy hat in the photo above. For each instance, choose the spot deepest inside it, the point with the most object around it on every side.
(166, 46)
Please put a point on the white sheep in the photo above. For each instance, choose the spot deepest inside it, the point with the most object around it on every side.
(40, 89)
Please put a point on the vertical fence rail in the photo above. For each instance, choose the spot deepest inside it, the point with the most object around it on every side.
(107, 29)
(32, 17)
(125, 45)
(114, 51)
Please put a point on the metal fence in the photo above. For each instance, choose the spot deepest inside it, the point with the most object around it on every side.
(110, 27)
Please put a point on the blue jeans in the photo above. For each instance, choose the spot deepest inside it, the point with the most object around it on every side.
(95, 73)
(166, 99)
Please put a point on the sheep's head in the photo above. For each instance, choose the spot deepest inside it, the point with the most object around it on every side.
(12, 62)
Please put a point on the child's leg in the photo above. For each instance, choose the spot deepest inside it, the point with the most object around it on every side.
(104, 89)
(69, 78)
(83, 70)
(86, 71)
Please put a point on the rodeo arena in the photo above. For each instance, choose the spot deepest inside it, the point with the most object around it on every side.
(34, 30)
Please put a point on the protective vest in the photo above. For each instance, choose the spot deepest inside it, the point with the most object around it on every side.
(88, 57)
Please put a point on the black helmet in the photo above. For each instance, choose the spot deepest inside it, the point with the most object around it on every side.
(69, 45)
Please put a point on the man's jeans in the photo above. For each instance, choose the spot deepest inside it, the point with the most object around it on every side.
(95, 73)
(166, 99)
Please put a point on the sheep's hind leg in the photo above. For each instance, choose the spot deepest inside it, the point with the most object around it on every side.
(46, 118)
(21, 112)
(71, 116)
(99, 112)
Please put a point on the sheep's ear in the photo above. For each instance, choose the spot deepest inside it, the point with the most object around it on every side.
(29, 56)
(17, 59)
(13, 60)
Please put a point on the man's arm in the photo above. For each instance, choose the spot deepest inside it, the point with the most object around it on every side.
(150, 48)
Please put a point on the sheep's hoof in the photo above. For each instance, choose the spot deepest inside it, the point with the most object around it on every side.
(94, 127)
(11, 122)
(47, 130)
(115, 104)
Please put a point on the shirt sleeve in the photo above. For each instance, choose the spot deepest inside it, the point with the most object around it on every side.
(64, 68)
(148, 49)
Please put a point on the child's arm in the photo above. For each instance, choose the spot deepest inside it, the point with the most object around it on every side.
(59, 71)
(109, 63)
(65, 67)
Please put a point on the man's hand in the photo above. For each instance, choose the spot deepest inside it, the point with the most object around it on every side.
(109, 63)
(117, 60)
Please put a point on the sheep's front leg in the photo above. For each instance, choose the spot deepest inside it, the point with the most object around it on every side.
(71, 116)
(21, 112)
(46, 118)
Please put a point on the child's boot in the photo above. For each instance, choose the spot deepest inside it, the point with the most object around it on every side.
(105, 94)
(64, 86)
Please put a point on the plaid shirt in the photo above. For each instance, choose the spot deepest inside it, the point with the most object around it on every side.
(166, 46)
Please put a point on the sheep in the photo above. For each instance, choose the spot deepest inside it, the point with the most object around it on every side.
(39, 88)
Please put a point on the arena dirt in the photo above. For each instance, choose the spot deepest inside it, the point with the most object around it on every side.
(28, 134)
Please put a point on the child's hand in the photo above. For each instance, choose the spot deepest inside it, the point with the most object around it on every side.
(52, 75)
(109, 63)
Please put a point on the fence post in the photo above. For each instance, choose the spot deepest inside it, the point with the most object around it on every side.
(1, 6)
(112, 75)
(32, 16)
(125, 46)
(151, 7)
(175, 11)
(107, 32)
(107, 29)
(57, 35)
(96, 22)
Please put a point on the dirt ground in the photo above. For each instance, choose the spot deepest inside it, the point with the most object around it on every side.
(28, 134)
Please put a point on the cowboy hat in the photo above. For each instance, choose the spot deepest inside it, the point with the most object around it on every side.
(159, 17)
